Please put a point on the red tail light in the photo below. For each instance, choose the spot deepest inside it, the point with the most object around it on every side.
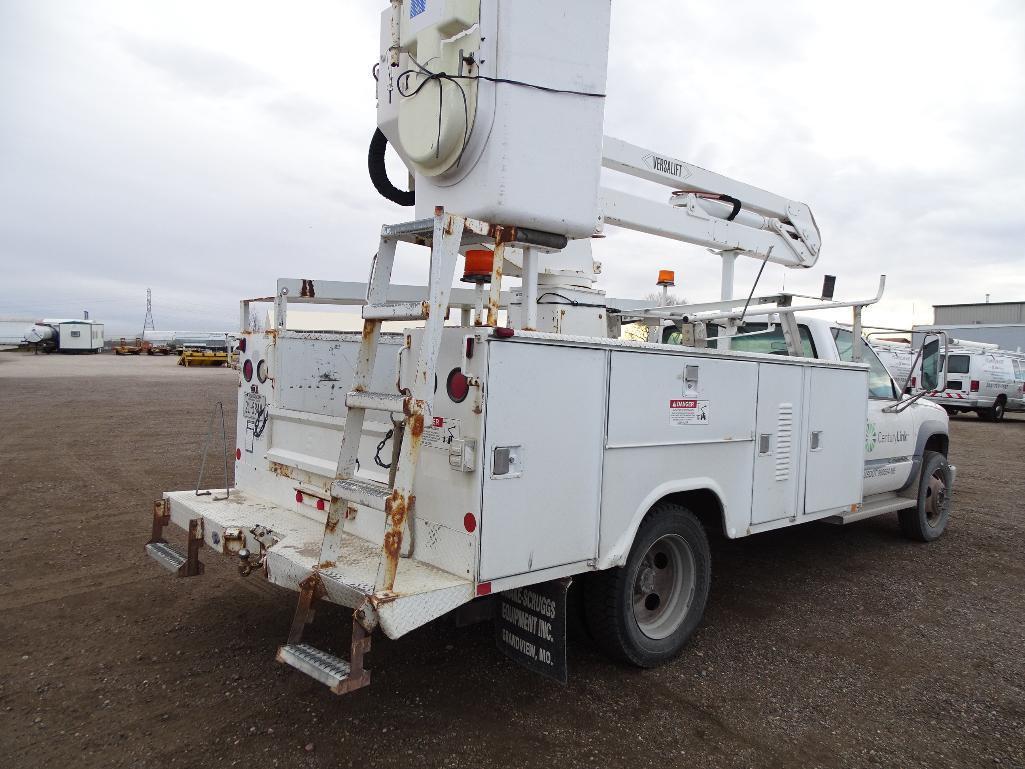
(975, 385)
(242, 344)
(247, 370)
(457, 386)
(914, 381)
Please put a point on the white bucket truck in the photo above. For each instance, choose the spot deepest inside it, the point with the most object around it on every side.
(478, 467)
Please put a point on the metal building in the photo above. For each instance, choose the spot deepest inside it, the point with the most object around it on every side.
(999, 323)
(981, 313)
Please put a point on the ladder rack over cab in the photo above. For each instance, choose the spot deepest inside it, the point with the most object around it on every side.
(480, 467)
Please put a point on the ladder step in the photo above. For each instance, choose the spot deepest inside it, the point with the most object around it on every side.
(324, 667)
(168, 556)
(393, 402)
(402, 311)
(362, 492)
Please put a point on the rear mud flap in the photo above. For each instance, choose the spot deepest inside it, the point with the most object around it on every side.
(530, 627)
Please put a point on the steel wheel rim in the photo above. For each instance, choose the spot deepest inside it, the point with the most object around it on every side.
(936, 500)
(664, 586)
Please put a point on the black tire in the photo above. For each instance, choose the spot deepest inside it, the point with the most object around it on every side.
(928, 519)
(950, 412)
(617, 609)
(986, 415)
(999, 409)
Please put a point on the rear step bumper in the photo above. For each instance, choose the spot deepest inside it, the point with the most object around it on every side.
(291, 544)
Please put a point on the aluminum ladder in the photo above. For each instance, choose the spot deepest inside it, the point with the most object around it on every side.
(444, 233)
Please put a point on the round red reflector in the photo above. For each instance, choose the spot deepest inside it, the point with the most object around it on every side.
(238, 453)
(469, 523)
(457, 385)
(320, 504)
(504, 333)
(247, 370)
(242, 344)
(298, 496)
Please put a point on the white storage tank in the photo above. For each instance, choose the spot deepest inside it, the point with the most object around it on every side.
(512, 133)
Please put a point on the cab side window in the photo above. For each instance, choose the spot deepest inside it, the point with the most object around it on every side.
(880, 385)
(770, 342)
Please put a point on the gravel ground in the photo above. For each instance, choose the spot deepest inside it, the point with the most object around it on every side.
(822, 647)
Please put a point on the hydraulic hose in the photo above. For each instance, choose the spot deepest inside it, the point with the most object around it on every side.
(379, 174)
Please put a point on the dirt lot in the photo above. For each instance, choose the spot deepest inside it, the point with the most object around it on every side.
(822, 647)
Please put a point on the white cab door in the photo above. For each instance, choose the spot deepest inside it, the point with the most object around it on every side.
(889, 447)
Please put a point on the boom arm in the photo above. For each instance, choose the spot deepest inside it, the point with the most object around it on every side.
(708, 209)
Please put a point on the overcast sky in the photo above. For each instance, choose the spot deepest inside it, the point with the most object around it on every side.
(204, 149)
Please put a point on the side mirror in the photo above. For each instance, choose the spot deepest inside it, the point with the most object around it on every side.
(931, 365)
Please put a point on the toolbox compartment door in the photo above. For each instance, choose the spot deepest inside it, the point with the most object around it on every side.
(545, 424)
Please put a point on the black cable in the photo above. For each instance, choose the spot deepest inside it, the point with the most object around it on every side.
(754, 285)
(380, 447)
(260, 423)
(439, 76)
(566, 300)
(379, 173)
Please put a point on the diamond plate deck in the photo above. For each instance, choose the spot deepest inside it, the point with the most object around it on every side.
(422, 592)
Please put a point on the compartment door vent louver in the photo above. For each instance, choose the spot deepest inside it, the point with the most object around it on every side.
(784, 440)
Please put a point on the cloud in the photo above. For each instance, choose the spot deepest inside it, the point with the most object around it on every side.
(208, 72)
(169, 146)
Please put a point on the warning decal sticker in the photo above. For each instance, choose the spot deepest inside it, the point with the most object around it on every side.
(687, 411)
(439, 432)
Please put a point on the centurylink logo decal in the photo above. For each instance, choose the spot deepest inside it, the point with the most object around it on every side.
(870, 437)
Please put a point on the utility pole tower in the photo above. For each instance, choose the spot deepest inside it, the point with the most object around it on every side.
(148, 320)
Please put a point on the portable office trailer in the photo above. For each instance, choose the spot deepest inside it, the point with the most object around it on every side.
(79, 336)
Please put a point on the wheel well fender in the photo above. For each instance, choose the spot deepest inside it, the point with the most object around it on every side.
(702, 496)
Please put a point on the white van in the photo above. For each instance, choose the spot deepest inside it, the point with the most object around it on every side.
(981, 378)
(898, 358)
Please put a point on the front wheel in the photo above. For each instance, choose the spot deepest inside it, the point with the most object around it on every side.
(928, 519)
(644, 612)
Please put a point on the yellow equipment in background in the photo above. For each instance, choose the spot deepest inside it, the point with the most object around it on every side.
(191, 357)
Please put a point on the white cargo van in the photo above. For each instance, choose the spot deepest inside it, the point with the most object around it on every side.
(981, 378)
(898, 358)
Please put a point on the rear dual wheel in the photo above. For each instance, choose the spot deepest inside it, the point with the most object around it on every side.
(645, 611)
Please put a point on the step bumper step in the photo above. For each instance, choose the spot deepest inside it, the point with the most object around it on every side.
(401, 311)
(317, 664)
(373, 494)
(167, 555)
(393, 402)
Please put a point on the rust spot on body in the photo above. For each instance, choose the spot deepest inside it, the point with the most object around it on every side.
(332, 523)
(280, 470)
(327, 565)
(417, 426)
